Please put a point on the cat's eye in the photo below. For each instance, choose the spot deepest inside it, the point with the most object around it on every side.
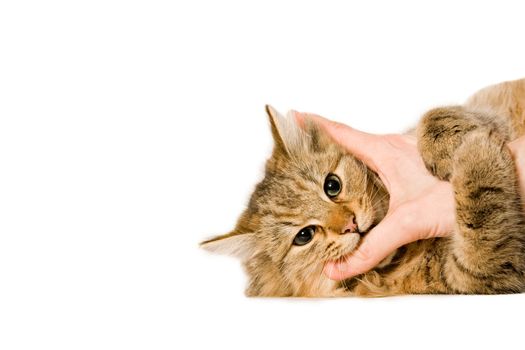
(304, 236)
(332, 185)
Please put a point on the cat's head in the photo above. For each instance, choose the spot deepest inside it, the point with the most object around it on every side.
(314, 205)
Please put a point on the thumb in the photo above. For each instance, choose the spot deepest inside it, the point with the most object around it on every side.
(390, 234)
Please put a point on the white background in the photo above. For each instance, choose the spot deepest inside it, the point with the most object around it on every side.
(131, 130)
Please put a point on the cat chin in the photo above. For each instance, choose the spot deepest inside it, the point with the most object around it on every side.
(366, 229)
(352, 240)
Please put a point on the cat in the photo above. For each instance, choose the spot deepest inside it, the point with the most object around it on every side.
(316, 202)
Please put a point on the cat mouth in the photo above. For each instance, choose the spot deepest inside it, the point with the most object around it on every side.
(350, 248)
(364, 231)
(351, 245)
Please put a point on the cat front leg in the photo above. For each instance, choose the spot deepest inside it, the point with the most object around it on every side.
(487, 251)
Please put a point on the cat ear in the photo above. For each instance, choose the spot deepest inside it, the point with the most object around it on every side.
(287, 134)
(240, 245)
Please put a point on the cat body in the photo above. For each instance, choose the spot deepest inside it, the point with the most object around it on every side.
(316, 202)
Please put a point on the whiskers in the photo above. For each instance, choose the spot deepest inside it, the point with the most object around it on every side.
(320, 279)
(343, 282)
(322, 285)
(372, 201)
(336, 254)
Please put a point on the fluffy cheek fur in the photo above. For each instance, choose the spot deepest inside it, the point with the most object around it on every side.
(303, 266)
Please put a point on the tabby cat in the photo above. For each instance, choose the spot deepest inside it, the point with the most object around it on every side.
(316, 202)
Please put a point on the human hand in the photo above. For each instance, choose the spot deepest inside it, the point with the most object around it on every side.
(420, 207)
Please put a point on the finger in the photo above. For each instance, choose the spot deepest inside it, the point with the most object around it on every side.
(361, 144)
(376, 246)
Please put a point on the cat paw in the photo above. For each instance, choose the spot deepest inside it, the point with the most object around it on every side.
(482, 159)
(484, 182)
(440, 132)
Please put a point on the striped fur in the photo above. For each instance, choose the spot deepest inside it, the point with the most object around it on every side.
(462, 144)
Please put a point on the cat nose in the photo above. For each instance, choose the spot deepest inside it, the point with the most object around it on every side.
(350, 227)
